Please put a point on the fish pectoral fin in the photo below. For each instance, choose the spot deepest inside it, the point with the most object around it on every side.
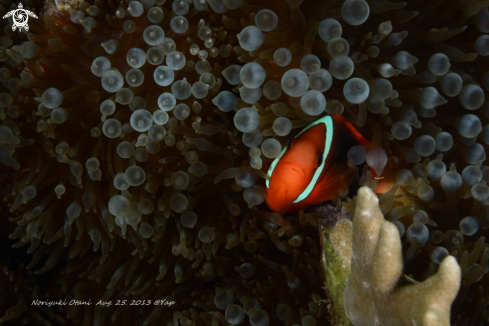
(334, 182)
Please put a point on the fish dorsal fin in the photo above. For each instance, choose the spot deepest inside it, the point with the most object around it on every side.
(328, 122)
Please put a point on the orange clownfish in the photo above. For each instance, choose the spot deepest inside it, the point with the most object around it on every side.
(308, 171)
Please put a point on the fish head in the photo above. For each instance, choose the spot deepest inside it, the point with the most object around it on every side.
(286, 184)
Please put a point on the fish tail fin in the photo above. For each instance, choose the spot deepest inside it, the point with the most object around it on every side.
(334, 183)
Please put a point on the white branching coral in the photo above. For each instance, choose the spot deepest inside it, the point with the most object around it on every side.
(376, 291)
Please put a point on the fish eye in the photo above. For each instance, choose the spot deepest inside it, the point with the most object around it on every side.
(320, 159)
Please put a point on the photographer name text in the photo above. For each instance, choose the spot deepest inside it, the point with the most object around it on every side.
(106, 303)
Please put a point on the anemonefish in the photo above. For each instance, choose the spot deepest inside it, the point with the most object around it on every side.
(313, 167)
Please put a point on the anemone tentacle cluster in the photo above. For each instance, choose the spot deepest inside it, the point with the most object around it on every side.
(134, 135)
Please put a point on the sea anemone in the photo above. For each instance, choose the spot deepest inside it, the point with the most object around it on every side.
(134, 138)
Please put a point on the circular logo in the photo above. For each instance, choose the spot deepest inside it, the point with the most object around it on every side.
(20, 17)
